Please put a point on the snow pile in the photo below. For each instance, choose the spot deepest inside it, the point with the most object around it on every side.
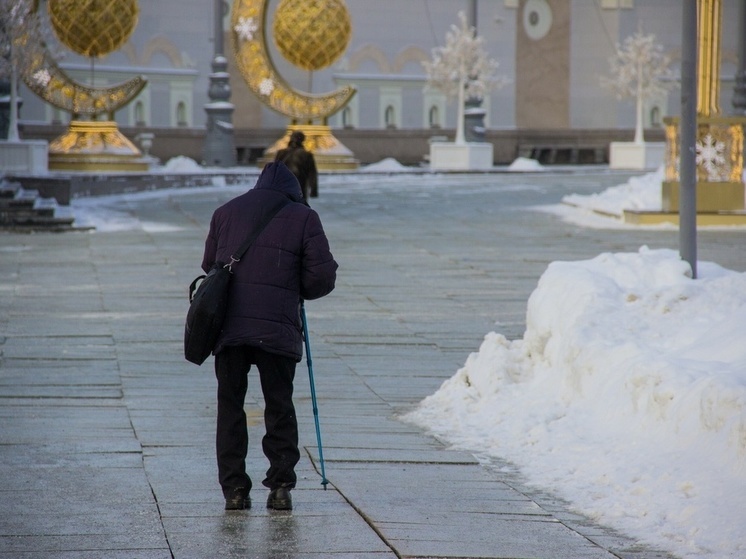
(388, 165)
(104, 219)
(182, 164)
(525, 164)
(626, 396)
(639, 193)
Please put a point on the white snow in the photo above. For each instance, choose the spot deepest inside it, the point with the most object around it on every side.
(181, 164)
(639, 193)
(525, 164)
(387, 165)
(626, 397)
(605, 210)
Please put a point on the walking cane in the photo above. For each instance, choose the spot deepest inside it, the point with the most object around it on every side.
(324, 481)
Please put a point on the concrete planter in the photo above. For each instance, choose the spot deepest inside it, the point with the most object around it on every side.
(469, 156)
(24, 157)
(630, 155)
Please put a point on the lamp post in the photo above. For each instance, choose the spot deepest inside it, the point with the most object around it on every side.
(219, 148)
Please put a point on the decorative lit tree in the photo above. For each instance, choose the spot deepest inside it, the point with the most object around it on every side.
(18, 25)
(641, 70)
(462, 69)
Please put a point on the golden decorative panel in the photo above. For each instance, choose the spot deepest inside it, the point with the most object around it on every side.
(709, 16)
(719, 149)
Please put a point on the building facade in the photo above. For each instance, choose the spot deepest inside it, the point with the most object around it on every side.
(551, 53)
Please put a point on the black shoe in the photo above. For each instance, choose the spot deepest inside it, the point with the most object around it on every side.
(279, 499)
(237, 500)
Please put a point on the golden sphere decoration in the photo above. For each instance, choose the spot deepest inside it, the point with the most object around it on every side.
(93, 27)
(312, 34)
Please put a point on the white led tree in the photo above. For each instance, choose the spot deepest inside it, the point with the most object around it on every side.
(639, 70)
(18, 26)
(462, 69)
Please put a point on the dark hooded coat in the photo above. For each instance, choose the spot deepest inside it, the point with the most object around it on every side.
(289, 261)
(302, 164)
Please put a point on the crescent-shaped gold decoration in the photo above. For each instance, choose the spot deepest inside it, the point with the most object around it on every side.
(47, 80)
(248, 25)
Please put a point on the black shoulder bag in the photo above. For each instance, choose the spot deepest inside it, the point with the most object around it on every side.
(208, 298)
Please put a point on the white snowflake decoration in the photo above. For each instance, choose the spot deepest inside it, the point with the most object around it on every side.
(42, 77)
(266, 86)
(245, 28)
(710, 156)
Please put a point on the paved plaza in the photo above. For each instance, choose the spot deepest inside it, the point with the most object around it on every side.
(107, 433)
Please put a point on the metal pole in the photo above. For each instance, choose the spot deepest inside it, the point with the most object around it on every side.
(688, 137)
(218, 6)
(324, 481)
(472, 15)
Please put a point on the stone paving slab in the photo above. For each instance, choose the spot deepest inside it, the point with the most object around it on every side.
(163, 553)
(101, 416)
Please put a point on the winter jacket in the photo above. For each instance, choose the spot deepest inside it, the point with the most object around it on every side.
(289, 261)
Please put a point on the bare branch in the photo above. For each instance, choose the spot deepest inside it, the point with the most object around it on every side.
(462, 60)
(639, 68)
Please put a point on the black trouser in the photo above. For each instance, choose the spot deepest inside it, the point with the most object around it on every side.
(280, 443)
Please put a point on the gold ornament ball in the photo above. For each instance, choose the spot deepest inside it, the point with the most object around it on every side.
(93, 27)
(312, 34)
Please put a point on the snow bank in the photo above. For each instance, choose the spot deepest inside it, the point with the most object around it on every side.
(526, 164)
(388, 165)
(639, 193)
(182, 164)
(626, 396)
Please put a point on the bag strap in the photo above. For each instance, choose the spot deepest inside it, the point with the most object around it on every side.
(272, 212)
(193, 286)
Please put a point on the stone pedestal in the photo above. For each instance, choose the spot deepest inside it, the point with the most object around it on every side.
(94, 146)
(469, 156)
(328, 152)
(631, 155)
(712, 197)
(219, 139)
(27, 157)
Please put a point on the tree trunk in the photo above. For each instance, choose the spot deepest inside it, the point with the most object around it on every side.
(460, 138)
(638, 124)
(13, 124)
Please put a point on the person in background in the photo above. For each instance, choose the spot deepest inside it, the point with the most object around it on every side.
(302, 164)
(289, 261)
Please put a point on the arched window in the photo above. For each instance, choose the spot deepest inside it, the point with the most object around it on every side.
(655, 116)
(139, 114)
(181, 117)
(389, 117)
(434, 117)
(347, 117)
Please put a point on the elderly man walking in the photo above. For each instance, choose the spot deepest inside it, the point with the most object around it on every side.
(288, 262)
